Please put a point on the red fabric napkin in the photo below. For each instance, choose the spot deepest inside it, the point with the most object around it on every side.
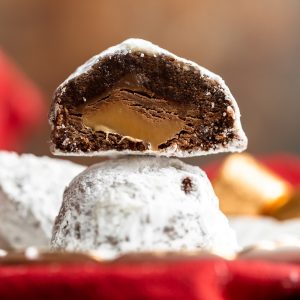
(21, 105)
(203, 279)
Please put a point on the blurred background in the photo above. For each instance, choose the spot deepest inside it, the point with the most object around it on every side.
(253, 45)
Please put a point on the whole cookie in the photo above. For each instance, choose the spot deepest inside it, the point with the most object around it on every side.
(141, 204)
(31, 190)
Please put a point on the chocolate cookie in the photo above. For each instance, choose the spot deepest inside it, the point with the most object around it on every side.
(136, 98)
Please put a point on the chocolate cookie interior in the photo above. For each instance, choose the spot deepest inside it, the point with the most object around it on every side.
(139, 102)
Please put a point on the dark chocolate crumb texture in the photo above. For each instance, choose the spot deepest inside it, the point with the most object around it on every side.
(136, 98)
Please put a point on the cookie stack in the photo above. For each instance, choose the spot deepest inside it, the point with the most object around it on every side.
(139, 100)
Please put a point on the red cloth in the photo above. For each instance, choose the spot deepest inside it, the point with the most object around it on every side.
(203, 279)
(21, 105)
(285, 165)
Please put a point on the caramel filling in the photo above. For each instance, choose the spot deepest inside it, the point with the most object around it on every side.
(115, 116)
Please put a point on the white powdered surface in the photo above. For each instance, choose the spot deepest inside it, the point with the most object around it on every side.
(254, 230)
(139, 45)
(31, 190)
(139, 204)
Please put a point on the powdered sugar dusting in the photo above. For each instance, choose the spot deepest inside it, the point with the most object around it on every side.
(31, 191)
(141, 204)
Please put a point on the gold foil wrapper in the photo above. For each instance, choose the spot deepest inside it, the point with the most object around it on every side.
(245, 187)
(290, 210)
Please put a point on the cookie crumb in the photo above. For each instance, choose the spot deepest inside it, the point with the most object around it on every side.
(187, 185)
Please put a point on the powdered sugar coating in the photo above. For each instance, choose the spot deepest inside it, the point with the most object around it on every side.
(31, 190)
(141, 204)
(253, 230)
(238, 144)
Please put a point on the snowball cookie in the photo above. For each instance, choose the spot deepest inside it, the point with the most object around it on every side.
(141, 204)
(31, 190)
